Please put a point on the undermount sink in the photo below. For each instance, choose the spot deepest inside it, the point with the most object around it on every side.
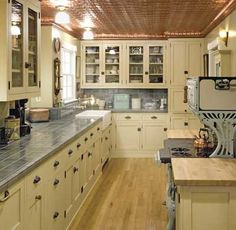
(105, 114)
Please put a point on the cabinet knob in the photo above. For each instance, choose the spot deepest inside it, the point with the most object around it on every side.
(153, 117)
(89, 154)
(165, 129)
(85, 139)
(78, 145)
(146, 72)
(27, 65)
(91, 134)
(36, 179)
(106, 138)
(185, 123)
(56, 163)
(127, 117)
(75, 169)
(55, 215)
(56, 182)
(70, 152)
(98, 129)
(185, 72)
(139, 129)
(38, 197)
(6, 196)
(102, 73)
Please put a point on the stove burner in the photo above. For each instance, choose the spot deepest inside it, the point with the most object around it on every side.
(179, 149)
(181, 154)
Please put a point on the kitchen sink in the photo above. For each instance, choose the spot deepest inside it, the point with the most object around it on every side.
(105, 114)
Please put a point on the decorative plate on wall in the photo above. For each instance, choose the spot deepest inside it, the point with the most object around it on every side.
(57, 45)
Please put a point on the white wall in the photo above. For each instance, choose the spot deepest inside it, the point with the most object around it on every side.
(229, 24)
(48, 33)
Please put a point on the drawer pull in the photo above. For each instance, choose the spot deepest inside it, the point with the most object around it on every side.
(70, 152)
(165, 129)
(127, 117)
(6, 196)
(38, 197)
(98, 129)
(78, 145)
(89, 154)
(55, 215)
(153, 117)
(139, 129)
(106, 138)
(85, 139)
(36, 180)
(91, 134)
(75, 169)
(56, 163)
(185, 123)
(56, 182)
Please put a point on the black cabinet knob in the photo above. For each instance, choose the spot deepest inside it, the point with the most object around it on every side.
(38, 197)
(70, 152)
(75, 169)
(56, 163)
(106, 138)
(55, 215)
(78, 145)
(36, 179)
(56, 182)
(91, 134)
(98, 129)
(153, 117)
(85, 139)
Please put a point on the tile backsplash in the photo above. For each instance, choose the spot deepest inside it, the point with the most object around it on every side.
(146, 95)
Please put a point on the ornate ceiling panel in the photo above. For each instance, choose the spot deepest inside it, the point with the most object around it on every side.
(153, 19)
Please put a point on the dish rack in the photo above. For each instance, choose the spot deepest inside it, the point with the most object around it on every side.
(5, 134)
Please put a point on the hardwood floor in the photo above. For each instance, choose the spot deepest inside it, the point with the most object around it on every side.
(129, 196)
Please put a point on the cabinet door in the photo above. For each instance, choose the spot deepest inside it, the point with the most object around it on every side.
(127, 136)
(178, 63)
(177, 101)
(136, 64)
(153, 135)
(83, 170)
(194, 123)
(35, 212)
(32, 61)
(96, 155)
(194, 58)
(178, 122)
(89, 168)
(156, 64)
(92, 65)
(113, 64)
(17, 82)
(56, 201)
(11, 207)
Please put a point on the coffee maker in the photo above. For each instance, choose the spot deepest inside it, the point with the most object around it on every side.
(19, 112)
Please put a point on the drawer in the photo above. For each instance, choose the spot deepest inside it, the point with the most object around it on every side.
(155, 117)
(128, 117)
(36, 180)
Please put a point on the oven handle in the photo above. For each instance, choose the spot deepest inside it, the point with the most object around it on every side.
(157, 158)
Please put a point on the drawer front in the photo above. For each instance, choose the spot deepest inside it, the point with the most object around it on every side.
(128, 117)
(155, 117)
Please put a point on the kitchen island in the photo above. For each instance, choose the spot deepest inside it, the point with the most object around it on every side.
(206, 193)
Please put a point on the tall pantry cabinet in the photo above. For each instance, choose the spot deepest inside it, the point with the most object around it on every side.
(186, 60)
(20, 46)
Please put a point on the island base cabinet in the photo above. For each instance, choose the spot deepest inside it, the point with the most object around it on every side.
(204, 208)
(11, 207)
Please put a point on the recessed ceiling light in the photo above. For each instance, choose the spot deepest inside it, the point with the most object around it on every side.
(88, 34)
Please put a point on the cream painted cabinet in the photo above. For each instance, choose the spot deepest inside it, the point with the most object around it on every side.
(186, 59)
(21, 44)
(12, 207)
(205, 207)
(146, 64)
(177, 104)
(185, 121)
(139, 134)
(102, 64)
(106, 144)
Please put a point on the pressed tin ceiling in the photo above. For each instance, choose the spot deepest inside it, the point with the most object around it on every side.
(143, 19)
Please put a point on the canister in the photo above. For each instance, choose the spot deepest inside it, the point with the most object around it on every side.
(14, 124)
(136, 103)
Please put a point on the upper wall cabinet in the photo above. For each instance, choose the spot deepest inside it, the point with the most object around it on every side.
(186, 59)
(20, 45)
(146, 64)
(102, 64)
(122, 64)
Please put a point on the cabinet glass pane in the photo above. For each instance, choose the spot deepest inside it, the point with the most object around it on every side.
(32, 48)
(136, 64)
(155, 64)
(17, 44)
(92, 64)
(112, 64)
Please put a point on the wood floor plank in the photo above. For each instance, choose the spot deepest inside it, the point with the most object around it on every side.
(128, 196)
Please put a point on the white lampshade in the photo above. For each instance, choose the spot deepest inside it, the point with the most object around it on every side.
(15, 30)
(62, 18)
(88, 34)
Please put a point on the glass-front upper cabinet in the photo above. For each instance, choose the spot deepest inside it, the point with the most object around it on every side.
(20, 31)
(112, 64)
(17, 45)
(136, 64)
(92, 65)
(155, 62)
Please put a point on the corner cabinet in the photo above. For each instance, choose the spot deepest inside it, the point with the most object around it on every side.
(20, 45)
(108, 64)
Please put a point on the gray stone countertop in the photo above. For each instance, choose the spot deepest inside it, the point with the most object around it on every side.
(139, 111)
(20, 157)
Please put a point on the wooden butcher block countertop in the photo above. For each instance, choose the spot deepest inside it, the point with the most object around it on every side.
(182, 133)
(204, 171)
